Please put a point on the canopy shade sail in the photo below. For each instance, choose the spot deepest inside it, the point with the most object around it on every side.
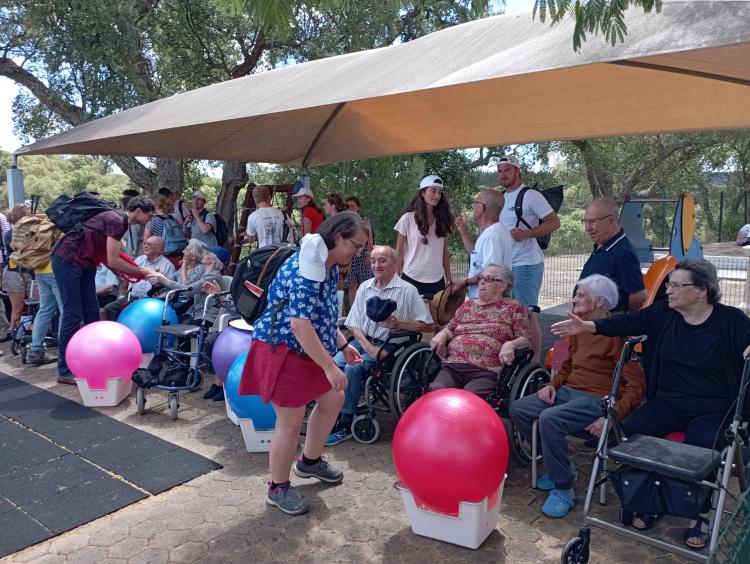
(500, 80)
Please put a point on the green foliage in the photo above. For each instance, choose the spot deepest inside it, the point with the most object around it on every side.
(50, 176)
(593, 16)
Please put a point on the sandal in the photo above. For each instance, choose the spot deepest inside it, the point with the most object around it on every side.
(697, 532)
(648, 520)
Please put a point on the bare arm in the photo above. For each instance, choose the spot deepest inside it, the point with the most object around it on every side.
(400, 249)
(636, 300)
(447, 262)
(463, 230)
(202, 225)
(404, 325)
(306, 226)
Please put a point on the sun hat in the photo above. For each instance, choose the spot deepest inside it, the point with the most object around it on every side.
(431, 180)
(221, 253)
(380, 309)
(313, 254)
(445, 303)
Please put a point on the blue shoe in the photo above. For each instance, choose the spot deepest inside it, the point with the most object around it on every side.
(545, 484)
(558, 503)
(339, 436)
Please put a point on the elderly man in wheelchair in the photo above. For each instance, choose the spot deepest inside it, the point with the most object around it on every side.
(571, 403)
(693, 358)
(387, 313)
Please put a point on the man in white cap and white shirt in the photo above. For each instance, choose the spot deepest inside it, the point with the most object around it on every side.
(537, 219)
(201, 223)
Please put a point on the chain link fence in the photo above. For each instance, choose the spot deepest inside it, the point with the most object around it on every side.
(561, 272)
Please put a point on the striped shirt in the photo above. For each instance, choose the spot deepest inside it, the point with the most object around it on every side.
(410, 306)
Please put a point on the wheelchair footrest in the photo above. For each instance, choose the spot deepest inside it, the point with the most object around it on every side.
(180, 330)
(677, 460)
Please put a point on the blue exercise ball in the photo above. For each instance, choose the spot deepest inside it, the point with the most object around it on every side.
(142, 317)
(247, 407)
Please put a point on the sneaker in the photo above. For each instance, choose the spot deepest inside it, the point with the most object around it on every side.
(287, 498)
(321, 470)
(339, 436)
(38, 358)
(66, 378)
(219, 396)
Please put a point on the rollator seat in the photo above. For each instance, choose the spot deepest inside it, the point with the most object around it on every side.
(180, 330)
(676, 460)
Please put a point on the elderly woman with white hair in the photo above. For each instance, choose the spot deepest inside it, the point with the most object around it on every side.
(571, 402)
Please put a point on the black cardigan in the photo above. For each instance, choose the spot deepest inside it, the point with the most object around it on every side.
(653, 321)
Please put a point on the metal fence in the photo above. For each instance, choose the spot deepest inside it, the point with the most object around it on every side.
(562, 271)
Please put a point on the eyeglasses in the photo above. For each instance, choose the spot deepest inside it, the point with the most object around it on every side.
(676, 285)
(357, 246)
(594, 221)
(489, 279)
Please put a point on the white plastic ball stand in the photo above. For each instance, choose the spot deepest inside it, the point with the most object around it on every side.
(116, 391)
(255, 440)
(230, 414)
(473, 525)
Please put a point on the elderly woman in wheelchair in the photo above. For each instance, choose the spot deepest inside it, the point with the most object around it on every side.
(482, 336)
(571, 403)
(693, 359)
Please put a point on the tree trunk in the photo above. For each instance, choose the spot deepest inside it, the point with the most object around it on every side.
(170, 173)
(600, 180)
(233, 179)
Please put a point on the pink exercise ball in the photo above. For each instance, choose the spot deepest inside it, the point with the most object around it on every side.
(450, 446)
(230, 344)
(102, 350)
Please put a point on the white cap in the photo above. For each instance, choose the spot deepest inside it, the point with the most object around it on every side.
(199, 194)
(511, 160)
(432, 180)
(304, 191)
(313, 254)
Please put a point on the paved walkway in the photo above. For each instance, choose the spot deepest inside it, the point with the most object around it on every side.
(222, 517)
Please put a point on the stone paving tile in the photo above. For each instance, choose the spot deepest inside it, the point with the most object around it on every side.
(222, 516)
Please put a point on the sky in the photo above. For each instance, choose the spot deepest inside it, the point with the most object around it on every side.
(8, 88)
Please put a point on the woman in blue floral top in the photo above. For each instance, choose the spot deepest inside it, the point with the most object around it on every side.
(290, 362)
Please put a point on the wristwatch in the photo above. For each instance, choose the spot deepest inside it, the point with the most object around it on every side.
(535, 309)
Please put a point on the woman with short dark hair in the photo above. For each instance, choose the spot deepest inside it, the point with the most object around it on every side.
(290, 362)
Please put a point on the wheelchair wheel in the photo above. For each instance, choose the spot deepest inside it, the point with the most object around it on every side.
(174, 405)
(140, 400)
(16, 347)
(530, 379)
(365, 429)
(414, 370)
(575, 552)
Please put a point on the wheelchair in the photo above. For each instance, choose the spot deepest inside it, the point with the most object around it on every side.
(660, 475)
(394, 382)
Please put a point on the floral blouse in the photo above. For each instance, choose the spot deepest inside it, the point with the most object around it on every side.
(479, 330)
(302, 298)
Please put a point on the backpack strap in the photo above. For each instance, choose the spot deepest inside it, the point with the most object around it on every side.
(518, 208)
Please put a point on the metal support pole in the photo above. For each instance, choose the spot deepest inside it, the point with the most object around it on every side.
(721, 213)
(15, 183)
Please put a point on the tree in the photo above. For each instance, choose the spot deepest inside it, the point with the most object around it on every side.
(593, 16)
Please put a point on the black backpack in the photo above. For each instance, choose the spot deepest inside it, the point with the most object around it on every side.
(554, 197)
(68, 213)
(222, 230)
(254, 275)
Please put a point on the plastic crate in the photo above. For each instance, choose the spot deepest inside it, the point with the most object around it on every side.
(255, 440)
(116, 391)
(473, 525)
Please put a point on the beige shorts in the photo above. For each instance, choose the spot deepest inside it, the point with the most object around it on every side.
(15, 281)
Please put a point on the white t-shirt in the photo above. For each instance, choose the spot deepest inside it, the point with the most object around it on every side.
(494, 246)
(422, 262)
(267, 224)
(535, 207)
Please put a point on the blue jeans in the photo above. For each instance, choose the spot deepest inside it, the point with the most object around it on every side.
(49, 306)
(527, 281)
(573, 411)
(356, 375)
(79, 303)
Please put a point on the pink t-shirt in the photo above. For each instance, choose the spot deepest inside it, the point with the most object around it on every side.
(422, 262)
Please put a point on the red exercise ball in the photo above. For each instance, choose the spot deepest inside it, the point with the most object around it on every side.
(450, 446)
